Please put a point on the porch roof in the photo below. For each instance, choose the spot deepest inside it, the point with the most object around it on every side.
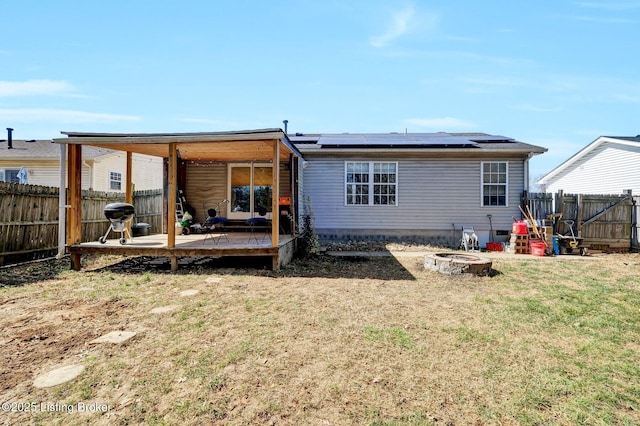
(245, 145)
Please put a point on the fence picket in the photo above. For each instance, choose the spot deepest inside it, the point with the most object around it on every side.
(29, 218)
(605, 221)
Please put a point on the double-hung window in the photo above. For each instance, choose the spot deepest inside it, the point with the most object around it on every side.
(494, 183)
(9, 175)
(371, 183)
(115, 181)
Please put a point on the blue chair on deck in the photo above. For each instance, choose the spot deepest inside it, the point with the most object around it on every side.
(213, 223)
(259, 223)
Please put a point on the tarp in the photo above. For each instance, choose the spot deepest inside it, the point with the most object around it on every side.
(23, 175)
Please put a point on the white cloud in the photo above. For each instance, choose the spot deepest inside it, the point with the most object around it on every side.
(497, 81)
(30, 115)
(572, 87)
(35, 87)
(626, 97)
(442, 124)
(604, 20)
(629, 5)
(535, 108)
(399, 25)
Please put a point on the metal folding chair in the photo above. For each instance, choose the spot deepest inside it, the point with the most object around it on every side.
(257, 223)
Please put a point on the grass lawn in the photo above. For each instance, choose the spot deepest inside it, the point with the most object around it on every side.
(378, 341)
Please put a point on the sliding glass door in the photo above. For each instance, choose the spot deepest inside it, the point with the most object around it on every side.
(250, 190)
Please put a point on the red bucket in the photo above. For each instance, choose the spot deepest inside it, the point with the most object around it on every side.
(537, 248)
(494, 246)
(520, 227)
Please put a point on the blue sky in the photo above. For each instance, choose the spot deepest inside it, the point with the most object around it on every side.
(551, 73)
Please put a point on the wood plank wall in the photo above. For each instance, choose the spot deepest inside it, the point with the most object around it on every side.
(207, 184)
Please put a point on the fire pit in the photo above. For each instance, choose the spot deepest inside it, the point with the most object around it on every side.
(457, 263)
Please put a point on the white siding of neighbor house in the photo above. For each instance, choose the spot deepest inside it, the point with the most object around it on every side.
(609, 169)
(46, 173)
(146, 171)
(435, 196)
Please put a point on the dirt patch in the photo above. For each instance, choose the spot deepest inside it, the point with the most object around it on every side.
(32, 272)
(49, 331)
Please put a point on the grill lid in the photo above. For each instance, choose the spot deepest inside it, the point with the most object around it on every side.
(119, 211)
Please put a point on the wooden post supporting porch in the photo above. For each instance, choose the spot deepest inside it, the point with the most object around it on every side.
(275, 202)
(74, 216)
(128, 195)
(171, 201)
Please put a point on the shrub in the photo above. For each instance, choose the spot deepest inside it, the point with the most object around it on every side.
(309, 243)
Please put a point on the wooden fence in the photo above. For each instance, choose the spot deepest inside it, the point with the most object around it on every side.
(29, 218)
(606, 222)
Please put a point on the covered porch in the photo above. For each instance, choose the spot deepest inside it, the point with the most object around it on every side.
(239, 174)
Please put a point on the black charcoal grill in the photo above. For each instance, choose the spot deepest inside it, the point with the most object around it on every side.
(119, 214)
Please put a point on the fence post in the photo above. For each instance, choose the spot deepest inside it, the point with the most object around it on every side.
(634, 229)
(557, 208)
(579, 207)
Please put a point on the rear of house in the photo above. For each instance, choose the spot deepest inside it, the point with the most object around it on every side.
(423, 187)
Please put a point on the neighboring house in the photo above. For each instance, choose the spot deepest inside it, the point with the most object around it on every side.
(608, 165)
(102, 169)
(425, 186)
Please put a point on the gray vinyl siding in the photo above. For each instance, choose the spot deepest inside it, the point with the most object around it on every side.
(610, 168)
(434, 196)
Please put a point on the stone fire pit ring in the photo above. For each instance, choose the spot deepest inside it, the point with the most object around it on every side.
(457, 263)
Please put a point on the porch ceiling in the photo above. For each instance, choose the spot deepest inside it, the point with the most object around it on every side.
(255, 145)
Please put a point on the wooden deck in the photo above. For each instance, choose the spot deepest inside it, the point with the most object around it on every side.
(238, 244)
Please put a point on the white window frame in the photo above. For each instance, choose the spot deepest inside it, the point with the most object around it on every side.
(370, 184)
(3, 173)
(246, 215)
(484, 184)
(112, 180)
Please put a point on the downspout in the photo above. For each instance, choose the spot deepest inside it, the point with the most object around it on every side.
(526, 172)
(62, 204)
(84, 163)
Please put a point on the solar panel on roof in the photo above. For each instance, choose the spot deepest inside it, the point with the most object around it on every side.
(491, 138)
(395, 139)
